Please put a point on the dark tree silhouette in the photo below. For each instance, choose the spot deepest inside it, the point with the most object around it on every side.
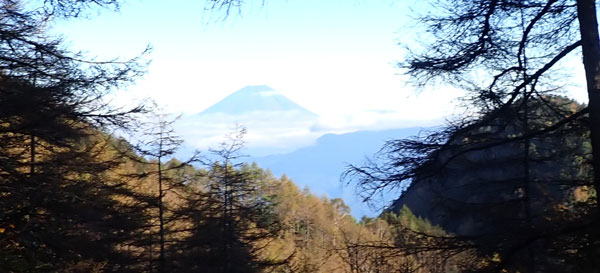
(232, 219)
(509, 199)
(162, 144)
(498, 176)
(519, 44)
(60, 205)
(155, 148)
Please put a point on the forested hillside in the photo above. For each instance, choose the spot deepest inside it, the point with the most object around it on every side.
(507, 202)
(120, 212)
(509, 186)
(320, 165)
(76, 198)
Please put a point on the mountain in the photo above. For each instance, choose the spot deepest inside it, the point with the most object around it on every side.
(483, 183)
(274, 122)
(319, 166)
(256, 98)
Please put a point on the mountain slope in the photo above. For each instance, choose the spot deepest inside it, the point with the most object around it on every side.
(273, 122)
(319, 166)
(255, 98)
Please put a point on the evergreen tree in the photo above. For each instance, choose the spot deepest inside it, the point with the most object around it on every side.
(156, 147)
(60, 206)
(480, 190)
(232, 218)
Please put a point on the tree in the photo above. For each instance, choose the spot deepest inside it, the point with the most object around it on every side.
(477, 185)
(517, 43)
(231, 219)
(517, 46)
(60, 208)
(162, 143)
(157, 145)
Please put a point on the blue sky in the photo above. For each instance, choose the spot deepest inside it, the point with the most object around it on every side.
(337, 58)
(315, 52)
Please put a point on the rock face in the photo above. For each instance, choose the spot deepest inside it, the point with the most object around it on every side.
(476, 189)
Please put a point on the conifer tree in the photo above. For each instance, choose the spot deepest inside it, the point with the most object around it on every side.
(232, 219)
(156, 146)
(60, 206)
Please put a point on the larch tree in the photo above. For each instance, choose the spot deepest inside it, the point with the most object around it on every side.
(60, 209)
(157, 146)
(520, 45)
(507, 54)
(232, 219)
(162, 144)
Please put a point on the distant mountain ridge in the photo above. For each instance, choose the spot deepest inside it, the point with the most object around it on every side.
(256, 98)
(275, 124)
(320, 166)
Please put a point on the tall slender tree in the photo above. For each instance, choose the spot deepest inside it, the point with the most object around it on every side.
(60, 209)
(156, 147)
(233, 220)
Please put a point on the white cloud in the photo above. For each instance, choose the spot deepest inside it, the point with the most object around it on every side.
(274, 130)
(283, 131)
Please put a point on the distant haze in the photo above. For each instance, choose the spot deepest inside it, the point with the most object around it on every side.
(319, 166)
(289, 139)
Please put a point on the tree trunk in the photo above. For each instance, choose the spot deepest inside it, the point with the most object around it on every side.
(31, 155)
(588, 27)
(161, 257)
